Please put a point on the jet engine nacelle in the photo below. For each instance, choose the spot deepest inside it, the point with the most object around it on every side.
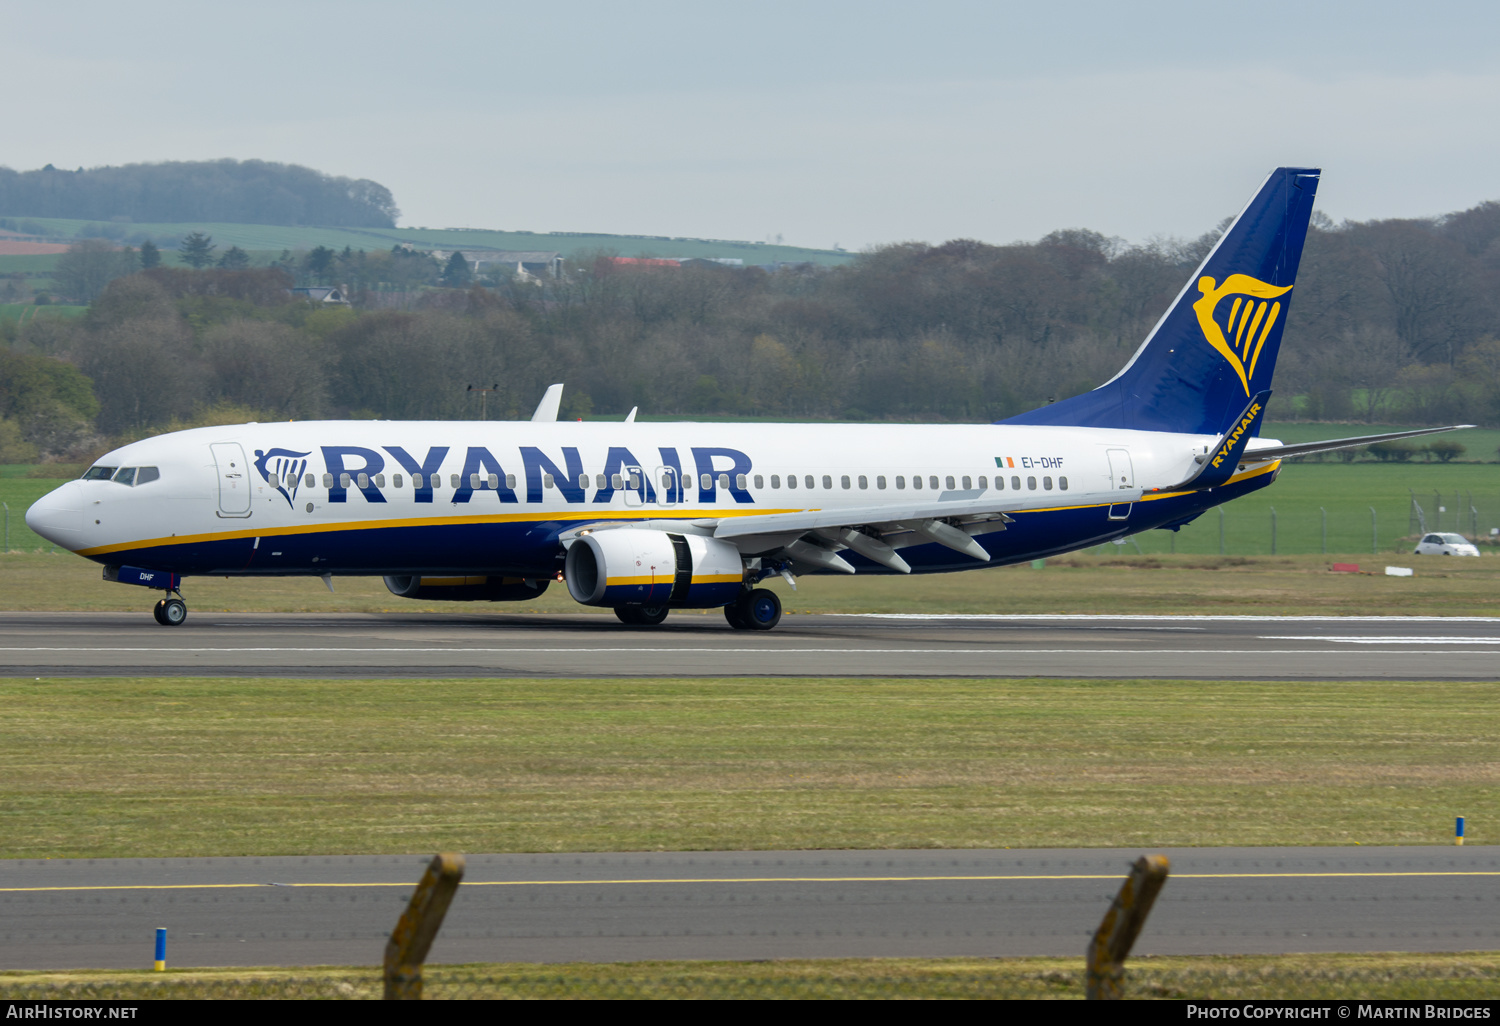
(467, 589)
(635, 566)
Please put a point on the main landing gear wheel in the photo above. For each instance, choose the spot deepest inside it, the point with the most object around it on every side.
(641, 616)
(170, 612)
(757, 610)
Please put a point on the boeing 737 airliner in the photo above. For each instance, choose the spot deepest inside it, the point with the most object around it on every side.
(645, 518)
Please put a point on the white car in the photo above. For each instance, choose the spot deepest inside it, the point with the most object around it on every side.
(1444, 545)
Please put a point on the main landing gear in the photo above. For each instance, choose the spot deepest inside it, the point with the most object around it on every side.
(757, 610)
(170, 612)
(641, 616)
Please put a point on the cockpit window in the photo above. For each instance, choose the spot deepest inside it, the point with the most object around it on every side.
(146, 475)
(125, 476)
(99, 473)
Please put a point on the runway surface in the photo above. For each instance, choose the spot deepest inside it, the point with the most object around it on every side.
(692, 644)
(744, 905)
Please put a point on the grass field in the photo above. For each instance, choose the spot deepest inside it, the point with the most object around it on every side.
(1472, 975)
(36, 263)
(1118, 582)
(155, 767)
(30, 311)
(277, 238)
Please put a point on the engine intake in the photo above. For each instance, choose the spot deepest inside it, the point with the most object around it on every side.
(631, 566)
(467, 589)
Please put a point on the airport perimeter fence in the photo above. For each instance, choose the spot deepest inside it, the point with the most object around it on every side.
(798, 981)
(1259, 525)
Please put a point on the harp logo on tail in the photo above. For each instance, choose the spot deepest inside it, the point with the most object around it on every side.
(1239, 329)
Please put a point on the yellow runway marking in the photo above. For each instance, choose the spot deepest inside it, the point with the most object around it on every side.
(763, 879)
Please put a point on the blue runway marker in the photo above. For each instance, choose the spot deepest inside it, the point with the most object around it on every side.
(161, 949)
(1459, 836)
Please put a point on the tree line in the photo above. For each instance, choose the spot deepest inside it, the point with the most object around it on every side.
(1394, 322)
(237, 191)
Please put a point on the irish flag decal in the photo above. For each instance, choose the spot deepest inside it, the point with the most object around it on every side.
(1004, 461)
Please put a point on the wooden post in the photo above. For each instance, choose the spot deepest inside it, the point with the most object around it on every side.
(1122, 924)
(418, 927)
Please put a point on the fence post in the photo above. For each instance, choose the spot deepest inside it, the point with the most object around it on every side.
(1437, 509)
(7, 525)
(1121, 925)
(418, 927)
(1273, 530)
(1325, 529)
(1374, 534)
(1221, 530)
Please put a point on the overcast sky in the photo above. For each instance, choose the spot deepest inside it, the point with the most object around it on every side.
(824, 122)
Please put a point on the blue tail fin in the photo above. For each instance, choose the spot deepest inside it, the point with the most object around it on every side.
(1216, 346)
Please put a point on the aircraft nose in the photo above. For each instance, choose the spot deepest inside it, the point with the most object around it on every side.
(58, 515)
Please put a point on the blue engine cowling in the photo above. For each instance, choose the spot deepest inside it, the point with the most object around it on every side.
(637, 566)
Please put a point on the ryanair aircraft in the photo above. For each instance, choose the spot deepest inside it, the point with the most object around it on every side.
(644, 518)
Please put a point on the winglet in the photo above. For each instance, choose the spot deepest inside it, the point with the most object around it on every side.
(630, 417)
(1225, 456)
(546, 410)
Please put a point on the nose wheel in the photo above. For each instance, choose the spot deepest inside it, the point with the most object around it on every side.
(170, 612)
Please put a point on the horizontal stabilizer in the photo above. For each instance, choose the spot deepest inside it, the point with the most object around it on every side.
(1281, 452)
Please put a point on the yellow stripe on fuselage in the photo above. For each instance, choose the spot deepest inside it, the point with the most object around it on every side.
(375, 525)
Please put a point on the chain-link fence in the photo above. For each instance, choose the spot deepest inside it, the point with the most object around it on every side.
(1260, 525)
(773, 980)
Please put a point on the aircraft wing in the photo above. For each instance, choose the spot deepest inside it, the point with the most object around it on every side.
(1281, 452)
(816, 536)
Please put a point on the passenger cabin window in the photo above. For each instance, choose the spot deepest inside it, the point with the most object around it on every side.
(807, 479)
(99, 473)
(148, 474)
(775, 480)
(548, 481)
(864, 482)
(844, 481)
(345, 480)
(310, 480)
(1062, 484)
(791, 480)
(327, 480)
(453, 480)
(705, 481)
(880, 483)
(1031, 484)
(900, 483)
(999, 484)
(948, 483)
(916, 482)
(1046, 484)
(932, 481)
(828, 482)
(380, 481)
(724, 481)
(984, 482)
(760, 482)
(740, 482)
(616, 481)
(968, 483)
(396, 481)
(1015, 483)
(124, 476)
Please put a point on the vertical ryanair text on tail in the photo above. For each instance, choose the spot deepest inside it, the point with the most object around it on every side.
(645, 518)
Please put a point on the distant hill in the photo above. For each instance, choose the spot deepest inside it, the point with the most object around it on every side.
(270, 240)
(243, 192)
